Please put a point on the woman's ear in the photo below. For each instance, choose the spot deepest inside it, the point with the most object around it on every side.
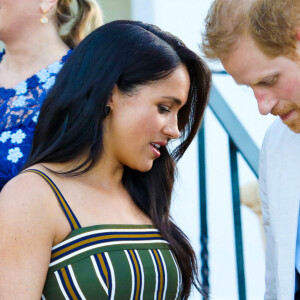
(48, 5)
(114, 97)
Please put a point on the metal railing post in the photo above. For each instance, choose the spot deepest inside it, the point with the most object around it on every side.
(237, 220)
(203, 210)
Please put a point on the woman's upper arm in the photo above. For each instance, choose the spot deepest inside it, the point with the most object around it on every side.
(26, 237)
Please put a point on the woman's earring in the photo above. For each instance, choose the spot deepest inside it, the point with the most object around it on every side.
(107, 111)
(44, 19)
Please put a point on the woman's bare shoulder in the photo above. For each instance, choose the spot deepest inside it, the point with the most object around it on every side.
(26, 185)
(27, 233)
(27, 198)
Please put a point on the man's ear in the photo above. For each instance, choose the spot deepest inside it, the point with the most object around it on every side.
(48, 5)
(298, 43)
(298, 34)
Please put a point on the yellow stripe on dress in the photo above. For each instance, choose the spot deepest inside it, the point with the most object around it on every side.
(104, 269)
(161, 274)
(138, 275)
(68, 284)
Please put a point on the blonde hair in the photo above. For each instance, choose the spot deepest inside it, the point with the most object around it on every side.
(88, 17)
(273, 26)
(271, 23)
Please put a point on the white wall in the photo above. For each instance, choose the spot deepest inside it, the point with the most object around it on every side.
(185, 19)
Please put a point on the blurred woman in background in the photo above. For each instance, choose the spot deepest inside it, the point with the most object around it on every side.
(36, 47)
(90, 216)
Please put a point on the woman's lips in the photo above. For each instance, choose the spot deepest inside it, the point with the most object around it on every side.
(155, 151)
(155, 146)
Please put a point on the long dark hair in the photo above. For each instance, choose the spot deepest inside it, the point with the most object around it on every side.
(129, 54)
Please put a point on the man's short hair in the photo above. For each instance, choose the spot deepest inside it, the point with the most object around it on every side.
(272, 24)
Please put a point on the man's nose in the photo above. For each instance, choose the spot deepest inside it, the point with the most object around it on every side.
(265, 100)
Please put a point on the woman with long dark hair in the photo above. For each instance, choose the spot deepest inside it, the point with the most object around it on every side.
(89, 216)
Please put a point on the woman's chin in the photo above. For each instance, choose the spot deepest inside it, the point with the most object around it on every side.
(143, 167)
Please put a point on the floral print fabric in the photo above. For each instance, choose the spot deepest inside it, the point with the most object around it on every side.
(19, 110)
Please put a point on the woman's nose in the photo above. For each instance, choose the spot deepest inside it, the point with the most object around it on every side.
(171, 129)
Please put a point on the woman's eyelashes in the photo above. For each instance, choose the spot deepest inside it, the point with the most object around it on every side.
(163, 109)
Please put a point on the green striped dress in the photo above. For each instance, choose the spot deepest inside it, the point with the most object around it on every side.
(110, 262)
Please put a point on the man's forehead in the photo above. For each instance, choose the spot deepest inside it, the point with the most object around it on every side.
(247, 63)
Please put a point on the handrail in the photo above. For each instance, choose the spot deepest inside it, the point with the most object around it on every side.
(240, 137)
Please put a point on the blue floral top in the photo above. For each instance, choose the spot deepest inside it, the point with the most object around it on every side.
(19, 110)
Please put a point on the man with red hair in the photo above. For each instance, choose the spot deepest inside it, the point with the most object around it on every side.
(258, 43)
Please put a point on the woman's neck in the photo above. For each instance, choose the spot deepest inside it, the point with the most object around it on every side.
(29, 53)
(105, 175)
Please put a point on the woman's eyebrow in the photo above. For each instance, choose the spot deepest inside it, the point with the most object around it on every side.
(177, 101)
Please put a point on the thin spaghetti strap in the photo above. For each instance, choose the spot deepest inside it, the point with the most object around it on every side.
(63, 203)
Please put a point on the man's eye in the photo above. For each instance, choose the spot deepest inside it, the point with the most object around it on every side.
(163, 108)
(270, 82)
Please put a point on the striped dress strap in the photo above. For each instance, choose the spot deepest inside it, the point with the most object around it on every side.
(63, 203)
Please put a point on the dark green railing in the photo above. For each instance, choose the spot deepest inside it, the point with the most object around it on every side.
(239, 142)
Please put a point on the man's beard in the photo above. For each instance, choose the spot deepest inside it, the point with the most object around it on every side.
(294, 123)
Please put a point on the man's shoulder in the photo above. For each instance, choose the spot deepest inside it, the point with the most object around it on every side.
(278, 134)
(278, 127)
